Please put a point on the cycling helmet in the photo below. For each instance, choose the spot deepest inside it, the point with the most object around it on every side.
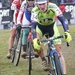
(30, 0)
(41, 1)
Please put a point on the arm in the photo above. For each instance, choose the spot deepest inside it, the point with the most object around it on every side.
(21, 11)
(33, 22)
(64, 23)
(19, 17)
(68, 37)
(60, 16)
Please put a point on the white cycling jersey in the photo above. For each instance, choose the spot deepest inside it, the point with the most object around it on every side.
(25, 10)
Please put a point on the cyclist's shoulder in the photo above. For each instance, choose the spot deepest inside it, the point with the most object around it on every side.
(52, 5)
(23, 3)
(54, 8)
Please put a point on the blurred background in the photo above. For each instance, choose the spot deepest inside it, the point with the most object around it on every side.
(67, 7)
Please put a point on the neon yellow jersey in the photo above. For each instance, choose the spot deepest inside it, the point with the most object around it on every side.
(48, 17)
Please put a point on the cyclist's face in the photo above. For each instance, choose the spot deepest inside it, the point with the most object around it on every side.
(43, 7)
(30, 3)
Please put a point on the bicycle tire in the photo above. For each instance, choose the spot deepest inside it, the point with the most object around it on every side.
(30, 63)
(13, 49)
(18, 51)
(30, 49)
(50, 63)
(57, 64)
(12, 54)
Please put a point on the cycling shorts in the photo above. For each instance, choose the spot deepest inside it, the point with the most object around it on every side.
(51, 29)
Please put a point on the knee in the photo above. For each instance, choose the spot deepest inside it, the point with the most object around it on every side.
(12, 35)
(58, 48)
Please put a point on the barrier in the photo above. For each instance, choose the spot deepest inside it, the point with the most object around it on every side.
(5, 16)
(68, 10)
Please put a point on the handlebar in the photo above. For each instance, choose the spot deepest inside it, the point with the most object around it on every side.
(51, 39)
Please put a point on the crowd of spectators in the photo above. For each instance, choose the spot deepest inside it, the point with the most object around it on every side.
(62, 1)
(67, 1)
(4, 3)
(7, 3)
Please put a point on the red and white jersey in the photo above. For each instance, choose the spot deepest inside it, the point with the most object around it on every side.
(21, 12)
(16, 7)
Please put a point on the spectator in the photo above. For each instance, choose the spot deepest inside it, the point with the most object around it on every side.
(11, 1)
(70, 1)
(11, 11)
(5, 3)
(56, 1)
(0, 4)
(59, 1)
(67, 1)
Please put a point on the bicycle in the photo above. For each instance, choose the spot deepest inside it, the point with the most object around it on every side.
(29, 50)
(16, 49)
(53, 58)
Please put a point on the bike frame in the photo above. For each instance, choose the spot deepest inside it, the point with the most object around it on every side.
(29, 49)
(50, 54)
(17, 36)
(52, 50)
(30, 38)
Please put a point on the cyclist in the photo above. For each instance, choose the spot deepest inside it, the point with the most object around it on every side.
(46, 12)
(26, 8)
(15, 6)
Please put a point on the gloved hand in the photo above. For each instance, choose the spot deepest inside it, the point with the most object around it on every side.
(18, 27)
(68, 37)
(36, 45)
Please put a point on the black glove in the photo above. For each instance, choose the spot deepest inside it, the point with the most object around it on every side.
(18, 27)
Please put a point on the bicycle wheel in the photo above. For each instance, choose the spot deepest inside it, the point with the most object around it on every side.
(14, 49)
(59, 69)
(18, 51)
(12, 54)
(30, 49)
(50, 63)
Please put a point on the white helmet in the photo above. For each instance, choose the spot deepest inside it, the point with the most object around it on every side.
(41, 1)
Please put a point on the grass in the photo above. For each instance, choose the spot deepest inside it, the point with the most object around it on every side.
(7, 68)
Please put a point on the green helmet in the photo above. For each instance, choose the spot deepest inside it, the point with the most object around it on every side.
(41, 1)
